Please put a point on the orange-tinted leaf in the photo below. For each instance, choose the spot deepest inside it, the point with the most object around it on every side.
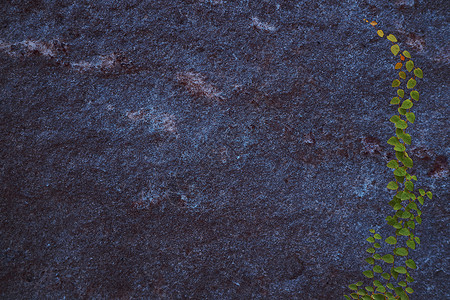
(402, 57)
(398, 65)
(373, 23)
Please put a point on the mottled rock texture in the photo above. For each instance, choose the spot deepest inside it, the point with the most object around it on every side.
(192, 149)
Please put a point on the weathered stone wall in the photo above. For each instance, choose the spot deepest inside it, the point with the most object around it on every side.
(211, 149)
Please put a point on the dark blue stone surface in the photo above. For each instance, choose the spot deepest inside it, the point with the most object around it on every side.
(212, 149)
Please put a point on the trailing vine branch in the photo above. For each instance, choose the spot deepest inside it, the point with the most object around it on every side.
(394, 269)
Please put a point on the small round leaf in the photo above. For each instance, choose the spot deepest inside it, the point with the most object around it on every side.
(410, 117)
(392, 185)
(391, 240)
(411, 83)
(392, 38)
(395, 49)
(388, 258)
(409, 65)
(407, 104)
(396, 83)
(401, 270)
(418, 72)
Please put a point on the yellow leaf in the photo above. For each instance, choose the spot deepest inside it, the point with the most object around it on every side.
(380, 33)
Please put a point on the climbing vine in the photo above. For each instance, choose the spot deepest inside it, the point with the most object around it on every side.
(390, 273)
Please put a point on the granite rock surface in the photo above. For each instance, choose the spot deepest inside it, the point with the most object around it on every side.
(212, 149)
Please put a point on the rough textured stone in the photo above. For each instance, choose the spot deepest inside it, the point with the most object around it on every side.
(211, 149)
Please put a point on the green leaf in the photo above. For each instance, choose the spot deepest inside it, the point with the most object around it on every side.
(401, 93)
(411, 83)
(378, 297)
(402, 75)
(370, 260)
(401, 251)
(390, 285)
(409, 65)
(402, 111)
(420, 198)
(414, 178)
(395, 49)
(377, 269)
(406, 54)
(409, 278)
(347, 297)
(411, 224)
(407, 104)
(414, 95)
(392, 38)
(418, 72)
(401, 124)
(381, 289)
(393, 141)
(404, 232)
(395, 119)
(406, 215)
(409, 290)
(401, 270)
(354, 295)
(377, 236)
(361, 292)
(368, 274)
(402, 283)
(411, 264)
(386, 276)
(370, 239)
(429, 194)
(411, 244)
(369, 288)
(388, 258)
(395, 100)
(366, 297)
(412, 205)
(400, 172)
(422, 192)
(370, 250)
(353, 287)
(372, 230)
(376, 255)
(396, 83)
(397, 206)
(419, 220)
(404, 196)
(394, 274)
(393, 164)
(359, 283)
(417, 239)
(400, 147)
(391, 240)
(409, 185)
(406, 138)
(410, 117)
(377, 283)
(406, 161)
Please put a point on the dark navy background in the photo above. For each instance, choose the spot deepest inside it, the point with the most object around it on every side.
(212, 149)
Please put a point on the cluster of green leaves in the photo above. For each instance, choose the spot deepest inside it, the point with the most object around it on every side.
(394, 269)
